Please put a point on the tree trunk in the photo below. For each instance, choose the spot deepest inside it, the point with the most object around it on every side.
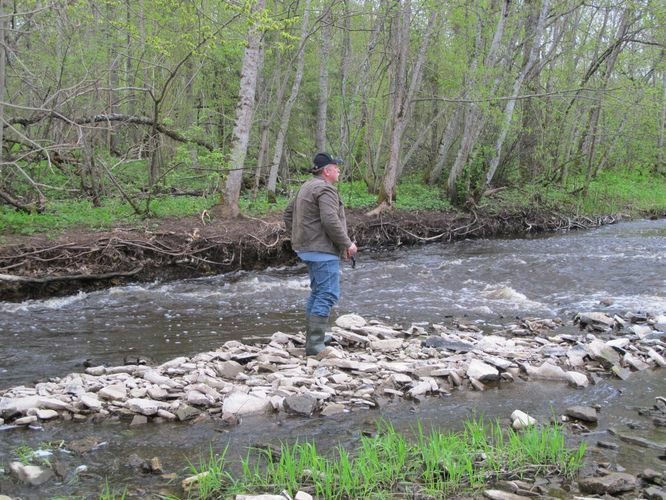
(401, 102)
(450, 134)
(595, 113)
(286, 113)
(3, 77)
(345, 149)
(244, 111)
(474, 119)
(322, 108)
(661, 140)
(511, 103)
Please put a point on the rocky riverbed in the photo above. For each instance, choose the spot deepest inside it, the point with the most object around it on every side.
(368, 363)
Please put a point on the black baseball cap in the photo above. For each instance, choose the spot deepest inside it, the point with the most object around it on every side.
(323, 159)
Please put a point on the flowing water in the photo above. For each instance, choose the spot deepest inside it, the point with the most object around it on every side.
(490, 282)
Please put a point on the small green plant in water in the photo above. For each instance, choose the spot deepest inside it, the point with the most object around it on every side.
(435, 464)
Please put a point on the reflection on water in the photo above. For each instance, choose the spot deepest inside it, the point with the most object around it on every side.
(491, 281)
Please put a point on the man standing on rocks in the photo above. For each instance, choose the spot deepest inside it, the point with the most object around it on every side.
(316, 220)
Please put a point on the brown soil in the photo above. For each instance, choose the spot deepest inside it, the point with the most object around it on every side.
(39, 266)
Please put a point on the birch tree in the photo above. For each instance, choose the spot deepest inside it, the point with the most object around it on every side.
(402, 98)
(286, 111)
(511, 103)
(244, 112)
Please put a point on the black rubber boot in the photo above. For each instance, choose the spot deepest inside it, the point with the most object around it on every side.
(315, 337)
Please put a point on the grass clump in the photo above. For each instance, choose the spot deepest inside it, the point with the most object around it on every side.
(434, 464)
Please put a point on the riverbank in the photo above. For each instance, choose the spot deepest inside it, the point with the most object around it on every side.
(39, 266)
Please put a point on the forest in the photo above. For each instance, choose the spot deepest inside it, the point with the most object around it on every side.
(126, 101)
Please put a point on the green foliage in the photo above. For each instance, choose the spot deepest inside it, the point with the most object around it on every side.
(435, 465)
(412, 194)
(109, 493)
(59, 216)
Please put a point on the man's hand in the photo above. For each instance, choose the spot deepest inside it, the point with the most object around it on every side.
(351, 251)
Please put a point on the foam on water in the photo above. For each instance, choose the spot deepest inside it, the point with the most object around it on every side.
(52, 304)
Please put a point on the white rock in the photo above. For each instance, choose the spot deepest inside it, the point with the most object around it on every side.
(30, 419)
(113, 392)
(91, 401)
(146, 407)
(351, 321)
(240, 403)
(386, 345)
(577, 379)
(657, 358)
(31, 474)
(45, 414)
(640, 330)
(156, 378)
(521, 420)
(302, 495)
(482, 371)
(547, 371)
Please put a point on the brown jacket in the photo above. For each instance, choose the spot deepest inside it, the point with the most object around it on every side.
(316, 219)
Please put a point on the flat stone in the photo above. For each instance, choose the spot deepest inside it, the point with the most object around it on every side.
(386, 345)
(584, 413)
(113, 392)
(31, 474)
(186, 412)
(578, 380)
(481, 371)
(46, 414)
(503, 495)
(333, 409)
(300, 404)
(603, 353)
(30, 419)
(657, 358)
(622, 373)
(350, 321)
(654, 493)
(634, 362)
(138, 420)
(349, 364)
(228, 369)
(613, 483)
(91, 401)
(594, 319)
(144, 406)
(521, 420)
(240, 403)
(154, 377)
(547, 371)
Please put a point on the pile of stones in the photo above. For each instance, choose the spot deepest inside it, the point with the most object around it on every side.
(368, 362)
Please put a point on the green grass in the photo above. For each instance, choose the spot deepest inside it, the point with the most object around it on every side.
(633, 192)
(432, 465)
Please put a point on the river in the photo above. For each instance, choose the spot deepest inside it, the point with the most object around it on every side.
(485, 281)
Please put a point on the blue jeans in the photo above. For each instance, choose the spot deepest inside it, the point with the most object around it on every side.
(324, 287)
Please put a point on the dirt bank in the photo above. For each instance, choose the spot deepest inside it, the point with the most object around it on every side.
(40, 266)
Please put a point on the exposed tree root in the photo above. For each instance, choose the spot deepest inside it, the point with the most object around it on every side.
(38, 267)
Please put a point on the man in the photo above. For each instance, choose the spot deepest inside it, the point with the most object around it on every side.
(318, 227)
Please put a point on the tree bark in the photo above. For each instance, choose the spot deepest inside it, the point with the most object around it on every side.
(3, 77)
(322, 108)
(402, 100)
(286, 113)
(511, 103)
(244, 111)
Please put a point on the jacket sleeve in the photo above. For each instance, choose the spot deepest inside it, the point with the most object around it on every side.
(329, 210)
(288, 216)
